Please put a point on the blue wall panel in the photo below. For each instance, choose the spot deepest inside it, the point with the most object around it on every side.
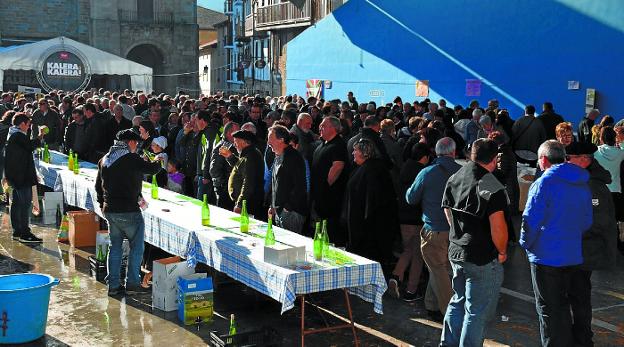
(524, 51)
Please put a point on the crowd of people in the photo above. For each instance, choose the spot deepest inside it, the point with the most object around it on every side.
(421, 182)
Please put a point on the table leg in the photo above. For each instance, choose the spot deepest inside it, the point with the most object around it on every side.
(302, 320)
(348, 302)
(351, 323)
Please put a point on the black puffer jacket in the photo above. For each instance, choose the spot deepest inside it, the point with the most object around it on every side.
(19, 166)
(600, 242)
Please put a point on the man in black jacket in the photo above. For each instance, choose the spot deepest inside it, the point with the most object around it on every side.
(199, 148)
(288, 182)
(220, 168)
(118, 186)
(21, 175)
(116, 124)
(550, 120)
(76, 135)
(96, 133)
(44, 116)
(584, 129)
(599, 242)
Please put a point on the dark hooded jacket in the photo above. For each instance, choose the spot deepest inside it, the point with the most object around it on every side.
(599, 243)
(371, 211)
(19, 166)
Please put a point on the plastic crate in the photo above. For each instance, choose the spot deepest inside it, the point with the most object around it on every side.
(261, 338)
(99, 271)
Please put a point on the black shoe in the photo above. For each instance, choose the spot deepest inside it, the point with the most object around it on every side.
(409, 297)
(16, 236)
(115, 291)
(137, 289)
(393, 287)
(29, 238)
(435, 316)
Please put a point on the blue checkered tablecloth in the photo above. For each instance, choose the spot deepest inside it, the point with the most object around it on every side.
(241, 257)
(173, 223)
(161, 228)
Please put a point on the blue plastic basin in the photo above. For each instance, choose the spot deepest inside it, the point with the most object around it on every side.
(24, 300)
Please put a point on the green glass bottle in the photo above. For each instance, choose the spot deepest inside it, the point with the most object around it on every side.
(46, 154)
(205, 212)
(76, 165)
(154, 188)
(99, 255)
(325, 239)
(232, 330)
(244, 218)
(70, 160)
(269, 238)
(318, 243)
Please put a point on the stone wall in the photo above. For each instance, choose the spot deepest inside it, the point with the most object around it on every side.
(44, 19)
(98, 23)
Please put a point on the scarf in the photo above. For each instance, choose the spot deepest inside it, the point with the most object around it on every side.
(117, 150)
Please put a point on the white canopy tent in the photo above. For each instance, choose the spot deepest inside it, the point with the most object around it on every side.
(30, 57)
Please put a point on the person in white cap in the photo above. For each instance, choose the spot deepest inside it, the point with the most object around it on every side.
(158, 148)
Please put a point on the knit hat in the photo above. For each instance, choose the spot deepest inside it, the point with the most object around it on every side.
(161, 141)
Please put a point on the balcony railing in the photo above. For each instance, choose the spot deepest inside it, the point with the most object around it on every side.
(249, 25)
(158, 17)
(283, 14)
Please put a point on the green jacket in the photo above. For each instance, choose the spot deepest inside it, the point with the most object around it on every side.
(247, 180)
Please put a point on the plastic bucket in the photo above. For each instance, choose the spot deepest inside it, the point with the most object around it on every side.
(24, 300)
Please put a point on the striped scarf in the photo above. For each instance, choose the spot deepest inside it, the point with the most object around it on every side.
(118, 150)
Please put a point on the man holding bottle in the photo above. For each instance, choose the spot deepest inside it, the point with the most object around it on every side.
(118, 186)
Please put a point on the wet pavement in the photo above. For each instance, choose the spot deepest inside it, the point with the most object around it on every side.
(81, 313)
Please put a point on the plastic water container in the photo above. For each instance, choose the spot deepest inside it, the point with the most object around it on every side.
(24, 300)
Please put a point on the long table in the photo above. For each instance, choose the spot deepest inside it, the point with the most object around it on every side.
(173, 223)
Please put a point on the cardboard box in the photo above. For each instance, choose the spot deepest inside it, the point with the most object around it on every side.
(83, 226)
(283, 255)
(165, 273)
(165, 301)
(195, 298)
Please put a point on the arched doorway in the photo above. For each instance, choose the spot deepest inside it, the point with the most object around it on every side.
(150, 55)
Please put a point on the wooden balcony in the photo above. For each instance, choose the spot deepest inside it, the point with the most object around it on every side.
(284, 15)
(249, 26)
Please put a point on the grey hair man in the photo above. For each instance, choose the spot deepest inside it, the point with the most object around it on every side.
(302, 129)
(557, 215)
(472, 129)
(433, 107)
(427, 191)
(329, 178)
(249, 126)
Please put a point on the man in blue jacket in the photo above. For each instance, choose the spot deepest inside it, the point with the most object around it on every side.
(427, 191)
(558, 212)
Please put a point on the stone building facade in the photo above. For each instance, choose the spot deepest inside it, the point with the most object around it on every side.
(162, 34)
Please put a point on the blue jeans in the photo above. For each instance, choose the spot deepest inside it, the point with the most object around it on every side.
(476, 289)
(21, 202)
(128, 225)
